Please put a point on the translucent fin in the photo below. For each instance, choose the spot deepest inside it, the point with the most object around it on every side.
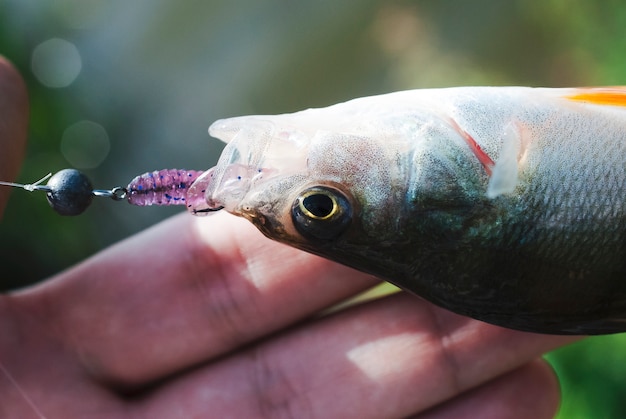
(504, 176)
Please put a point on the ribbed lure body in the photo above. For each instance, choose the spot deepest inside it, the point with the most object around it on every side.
(161, 187)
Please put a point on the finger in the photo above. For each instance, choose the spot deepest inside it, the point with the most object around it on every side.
(13, 125)
(531, 391)
(183, 292)
(389, 358)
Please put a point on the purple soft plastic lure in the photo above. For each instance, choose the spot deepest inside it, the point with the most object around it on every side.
(161, 187)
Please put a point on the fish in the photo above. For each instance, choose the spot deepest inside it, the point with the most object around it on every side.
(504, 204)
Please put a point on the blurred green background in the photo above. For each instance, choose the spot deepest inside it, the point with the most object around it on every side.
(118, 88)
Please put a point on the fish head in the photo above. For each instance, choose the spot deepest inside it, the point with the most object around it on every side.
(336, 183)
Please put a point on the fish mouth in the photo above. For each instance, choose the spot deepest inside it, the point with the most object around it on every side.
(257, 152)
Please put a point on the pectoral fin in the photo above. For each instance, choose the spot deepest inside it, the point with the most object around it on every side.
(504, 176)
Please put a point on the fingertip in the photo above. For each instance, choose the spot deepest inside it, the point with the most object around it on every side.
(13, 124)
(541, 371)
(531, 391)
(535, 389)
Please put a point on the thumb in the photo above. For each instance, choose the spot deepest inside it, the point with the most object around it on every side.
(13, 125)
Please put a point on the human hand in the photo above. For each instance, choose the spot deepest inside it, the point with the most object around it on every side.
(204, 317)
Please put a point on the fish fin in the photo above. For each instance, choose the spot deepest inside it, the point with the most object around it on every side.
(612, 95)
(504, 176)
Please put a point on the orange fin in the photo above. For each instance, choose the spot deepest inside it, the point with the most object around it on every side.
(614, 96)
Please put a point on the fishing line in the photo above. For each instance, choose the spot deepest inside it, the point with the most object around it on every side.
(14, 383)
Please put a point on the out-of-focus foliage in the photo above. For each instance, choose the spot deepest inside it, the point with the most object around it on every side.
(154, 74)
(593, 377)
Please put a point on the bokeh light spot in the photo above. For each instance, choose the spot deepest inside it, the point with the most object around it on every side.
(56, 63)
(85, 144)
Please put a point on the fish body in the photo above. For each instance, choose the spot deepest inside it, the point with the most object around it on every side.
(505, 204)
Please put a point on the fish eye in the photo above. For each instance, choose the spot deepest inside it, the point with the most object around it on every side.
(321, 213)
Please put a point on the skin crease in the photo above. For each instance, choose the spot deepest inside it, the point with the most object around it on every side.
(222, 323)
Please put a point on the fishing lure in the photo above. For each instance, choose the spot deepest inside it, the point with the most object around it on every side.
(70, 192)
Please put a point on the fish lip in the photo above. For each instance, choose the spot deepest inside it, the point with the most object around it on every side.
(239, 165)
(259, 150)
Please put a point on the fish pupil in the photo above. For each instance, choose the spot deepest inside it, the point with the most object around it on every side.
(319, 205)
